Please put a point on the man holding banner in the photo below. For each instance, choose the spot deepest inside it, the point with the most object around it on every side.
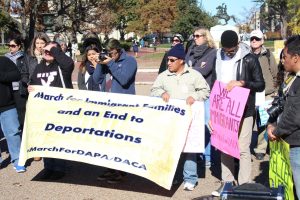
(182, 82)
(237, 67)
(288, 123)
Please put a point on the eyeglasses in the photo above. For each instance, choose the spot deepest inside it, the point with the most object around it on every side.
(172, 60)
(12, 45)
(255, 38)
(176, 40)
(197, 36)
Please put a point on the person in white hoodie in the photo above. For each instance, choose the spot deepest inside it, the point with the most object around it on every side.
(236, 66)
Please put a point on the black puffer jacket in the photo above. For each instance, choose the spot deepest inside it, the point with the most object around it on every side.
(288, 127)
(251, 73)
(8, 73)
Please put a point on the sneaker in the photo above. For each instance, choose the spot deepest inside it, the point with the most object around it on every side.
(107, 175)
(189, 186)
(20, 169)
(117, 178)
(217, 192)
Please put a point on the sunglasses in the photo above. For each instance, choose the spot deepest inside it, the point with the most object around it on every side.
(172, 60)
(12, 45)
(255, 38)
(197, 36)
(176, 40)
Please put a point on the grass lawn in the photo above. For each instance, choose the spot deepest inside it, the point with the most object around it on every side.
(269, 43)
(3, 50)
(154, 56)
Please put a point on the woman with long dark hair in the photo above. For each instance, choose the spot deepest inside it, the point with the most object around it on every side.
(16, 55)
(87, 68)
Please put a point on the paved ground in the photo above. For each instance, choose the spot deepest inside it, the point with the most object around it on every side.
(80, 182)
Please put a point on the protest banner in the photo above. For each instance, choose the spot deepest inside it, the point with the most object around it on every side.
(195, 142)
(137, 134)
(226, 111)
(280, 171)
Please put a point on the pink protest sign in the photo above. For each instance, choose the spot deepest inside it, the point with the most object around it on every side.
(226, 111)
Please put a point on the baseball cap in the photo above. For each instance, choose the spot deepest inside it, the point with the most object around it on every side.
(257, 33)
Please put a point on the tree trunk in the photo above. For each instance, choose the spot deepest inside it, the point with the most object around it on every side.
(284, 27)
(122, 35)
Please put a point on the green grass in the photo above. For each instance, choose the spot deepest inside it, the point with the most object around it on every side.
(158, 55)
(269, 44)
(3, 50)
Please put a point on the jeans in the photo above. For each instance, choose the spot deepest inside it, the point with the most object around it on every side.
(190, 168)
(10, 127)
(207, 152)
(295, 164)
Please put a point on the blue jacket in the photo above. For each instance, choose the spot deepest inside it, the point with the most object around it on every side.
(123, 73)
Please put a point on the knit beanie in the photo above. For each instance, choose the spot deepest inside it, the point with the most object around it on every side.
(229, 39)
(177, 51)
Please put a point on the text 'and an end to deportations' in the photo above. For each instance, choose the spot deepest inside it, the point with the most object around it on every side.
(110, 103)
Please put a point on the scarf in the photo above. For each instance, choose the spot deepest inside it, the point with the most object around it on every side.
(197, 52)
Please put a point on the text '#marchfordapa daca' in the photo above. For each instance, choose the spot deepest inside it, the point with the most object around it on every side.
(60, 97)
(90, 154)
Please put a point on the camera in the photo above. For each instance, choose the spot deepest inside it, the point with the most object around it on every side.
(103, 54)
(277, 105)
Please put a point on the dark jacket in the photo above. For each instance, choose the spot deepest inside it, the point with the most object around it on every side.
(164, 63)
(8, 73)
(92, 85)
(251, 73)
(203, 63)
(123, 73)
(288, 127)
(48, 75)
(269, 68)
(28, 66)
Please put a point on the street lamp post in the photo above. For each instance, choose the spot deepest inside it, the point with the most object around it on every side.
(48, 21)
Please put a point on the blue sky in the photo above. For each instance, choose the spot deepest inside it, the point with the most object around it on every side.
(234, 7)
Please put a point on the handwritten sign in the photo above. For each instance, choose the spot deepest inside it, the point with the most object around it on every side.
(226, 111)
(280, 172)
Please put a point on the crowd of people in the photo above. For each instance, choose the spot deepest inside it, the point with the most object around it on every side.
(185, 73)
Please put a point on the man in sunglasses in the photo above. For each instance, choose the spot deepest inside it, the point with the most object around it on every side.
(270, 70)
(177, 39)
(182, 82)
(237, 67)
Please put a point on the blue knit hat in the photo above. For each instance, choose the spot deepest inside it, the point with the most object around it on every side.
(177, 51)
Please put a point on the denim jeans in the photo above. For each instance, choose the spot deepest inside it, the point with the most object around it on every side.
(190, 168)
(10, 127)
(295, 164)
(207, 152)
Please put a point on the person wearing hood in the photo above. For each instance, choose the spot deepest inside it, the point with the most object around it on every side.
(236, 66)
(270, 70)
(16, 55)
